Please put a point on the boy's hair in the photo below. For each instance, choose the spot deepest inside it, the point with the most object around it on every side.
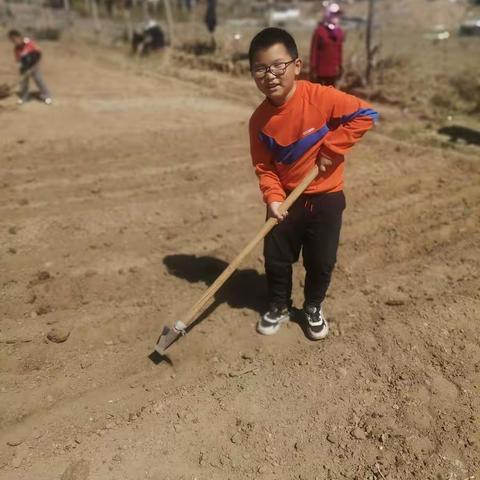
(14, 34)
(271, 36)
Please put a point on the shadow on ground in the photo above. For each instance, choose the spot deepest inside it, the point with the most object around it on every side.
(244, 289)
(456, 133)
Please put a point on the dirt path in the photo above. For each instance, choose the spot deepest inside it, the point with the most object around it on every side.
(120, 201)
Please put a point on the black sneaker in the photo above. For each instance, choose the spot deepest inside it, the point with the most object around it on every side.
(271, 321)
(317, 324)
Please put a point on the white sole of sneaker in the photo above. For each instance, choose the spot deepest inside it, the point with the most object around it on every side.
(271, 330)
(318, 336)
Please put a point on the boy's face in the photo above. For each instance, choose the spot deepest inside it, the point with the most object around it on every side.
(16, 40)
(279, 84)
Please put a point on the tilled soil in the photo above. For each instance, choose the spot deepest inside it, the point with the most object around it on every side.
(123, 200)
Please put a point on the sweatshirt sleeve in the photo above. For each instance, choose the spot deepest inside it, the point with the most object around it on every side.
(349, 118)
(262, 160)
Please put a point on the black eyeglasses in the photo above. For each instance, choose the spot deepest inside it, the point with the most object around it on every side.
(277, 69)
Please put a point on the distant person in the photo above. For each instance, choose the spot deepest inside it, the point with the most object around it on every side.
(326, 54)
(211, 20)
(211, 16)
(28, 55)
(148, 37)
(300, 124)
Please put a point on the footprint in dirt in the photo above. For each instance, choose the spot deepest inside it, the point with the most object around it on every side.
(78, 470)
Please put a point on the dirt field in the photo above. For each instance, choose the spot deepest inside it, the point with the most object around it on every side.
(121, 201)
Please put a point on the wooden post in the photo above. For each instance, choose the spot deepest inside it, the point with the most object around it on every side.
(96, 20)
(145, 10)
(370, 49)
(127, 17)
(66, 7)
(168, 13)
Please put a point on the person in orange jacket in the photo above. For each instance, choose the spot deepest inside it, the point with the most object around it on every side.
(298, 124)
(28, 55)
(326, 52)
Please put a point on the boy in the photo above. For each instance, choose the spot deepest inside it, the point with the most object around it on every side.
(28, 55)
(300, 123)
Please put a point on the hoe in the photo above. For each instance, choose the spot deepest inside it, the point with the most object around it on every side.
(170, 335)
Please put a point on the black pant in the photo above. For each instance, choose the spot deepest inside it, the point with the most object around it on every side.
(312, 225)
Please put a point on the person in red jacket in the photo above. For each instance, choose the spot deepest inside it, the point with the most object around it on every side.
(297, 125)
(28, 55)
(326, 49)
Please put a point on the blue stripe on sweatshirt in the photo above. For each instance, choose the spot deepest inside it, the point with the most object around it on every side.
(289, 154)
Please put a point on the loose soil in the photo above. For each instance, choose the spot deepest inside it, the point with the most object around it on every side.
(123, 200)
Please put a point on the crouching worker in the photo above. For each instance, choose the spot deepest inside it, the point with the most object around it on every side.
(28, 55)
(147, 38)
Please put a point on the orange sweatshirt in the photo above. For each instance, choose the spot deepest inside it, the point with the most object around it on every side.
(285, 140)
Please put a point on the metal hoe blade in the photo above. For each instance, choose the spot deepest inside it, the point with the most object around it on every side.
(169, 335)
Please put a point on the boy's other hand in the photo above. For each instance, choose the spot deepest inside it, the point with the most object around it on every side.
(272, 210)
(323, 163)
